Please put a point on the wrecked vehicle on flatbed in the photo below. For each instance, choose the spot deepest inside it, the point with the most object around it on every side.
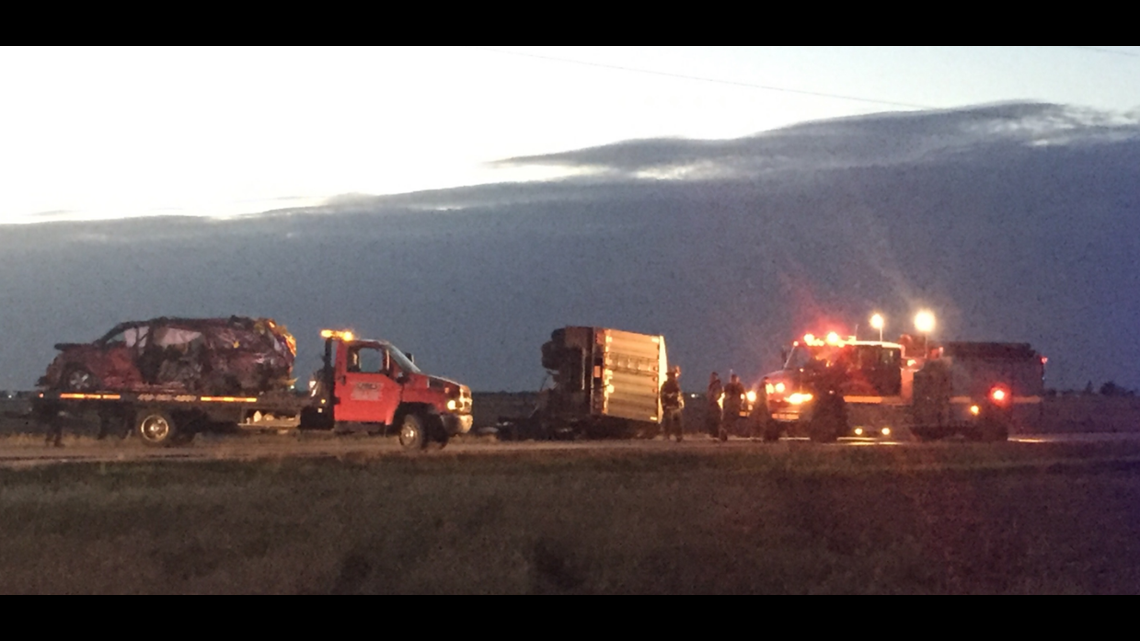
(235, 355)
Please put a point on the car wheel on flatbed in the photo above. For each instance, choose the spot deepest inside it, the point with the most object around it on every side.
(78, 379)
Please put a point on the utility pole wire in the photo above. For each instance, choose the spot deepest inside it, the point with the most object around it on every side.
(817, 94)
(1116, 52)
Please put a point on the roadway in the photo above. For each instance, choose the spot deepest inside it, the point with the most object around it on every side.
(30, 450)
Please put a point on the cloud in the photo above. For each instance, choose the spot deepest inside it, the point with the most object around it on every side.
(963, 212)
(861, 141)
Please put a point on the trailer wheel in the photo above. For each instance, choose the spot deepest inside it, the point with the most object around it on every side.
(413, 434)
(156, 428)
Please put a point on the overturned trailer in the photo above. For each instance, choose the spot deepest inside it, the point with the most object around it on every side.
(606, 383)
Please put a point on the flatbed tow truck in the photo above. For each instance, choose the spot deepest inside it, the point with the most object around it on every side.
(362, 384)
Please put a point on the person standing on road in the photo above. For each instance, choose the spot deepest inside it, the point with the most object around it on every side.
(733, 402)
(714, 397)
(672, 404)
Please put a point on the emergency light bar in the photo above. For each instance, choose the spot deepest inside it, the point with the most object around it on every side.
(346, 336)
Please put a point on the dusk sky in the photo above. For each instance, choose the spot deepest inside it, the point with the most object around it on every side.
(464, 202)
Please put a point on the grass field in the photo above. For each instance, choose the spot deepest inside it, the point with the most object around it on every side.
(787, 518)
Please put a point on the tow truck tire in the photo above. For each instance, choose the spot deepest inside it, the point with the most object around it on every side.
(156, 428)
(413, 434)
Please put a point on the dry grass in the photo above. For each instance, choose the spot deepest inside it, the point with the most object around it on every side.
(781, 519)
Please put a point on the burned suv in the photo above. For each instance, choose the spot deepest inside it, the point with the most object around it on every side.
(235, 355)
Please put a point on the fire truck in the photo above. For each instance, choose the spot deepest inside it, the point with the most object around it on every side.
(362, 384)
(834, 387)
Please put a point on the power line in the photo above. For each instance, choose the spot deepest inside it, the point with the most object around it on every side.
(1115, 52)
(818, 94)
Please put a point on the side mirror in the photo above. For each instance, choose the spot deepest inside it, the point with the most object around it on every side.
(783, 357)
(410, 357)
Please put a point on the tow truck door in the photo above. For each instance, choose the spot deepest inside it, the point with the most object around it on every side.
(365, 393)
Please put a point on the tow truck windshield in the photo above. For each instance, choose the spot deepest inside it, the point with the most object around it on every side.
(405, 364)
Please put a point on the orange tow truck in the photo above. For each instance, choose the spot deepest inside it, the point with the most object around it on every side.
(362, 384)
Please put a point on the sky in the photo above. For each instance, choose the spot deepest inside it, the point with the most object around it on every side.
(465, 202)
(117, 132)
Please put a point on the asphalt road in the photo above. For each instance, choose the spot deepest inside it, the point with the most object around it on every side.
(28, 451)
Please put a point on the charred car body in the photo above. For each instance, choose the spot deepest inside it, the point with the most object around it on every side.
(235, 355)
(836, 387)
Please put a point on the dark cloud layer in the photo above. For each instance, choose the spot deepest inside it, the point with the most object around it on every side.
(1012, 222)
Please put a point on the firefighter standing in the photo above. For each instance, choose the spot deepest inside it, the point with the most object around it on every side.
(672, 403)
(733, 402)
(714, 396)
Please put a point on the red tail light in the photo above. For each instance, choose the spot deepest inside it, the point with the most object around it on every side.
(999, 395)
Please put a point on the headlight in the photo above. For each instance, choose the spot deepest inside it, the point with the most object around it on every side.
(451, 405)
(780, 388)
(751, 396)
(799, 399)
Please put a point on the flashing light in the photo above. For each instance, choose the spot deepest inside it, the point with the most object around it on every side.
(886, 431)
(780, 387)
(799, 399)
(833, 339)
(345, 336)
(975, 410)
(809, 338)
(751, 395)
(998, 394)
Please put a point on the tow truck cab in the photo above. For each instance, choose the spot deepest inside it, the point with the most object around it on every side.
(372, 382)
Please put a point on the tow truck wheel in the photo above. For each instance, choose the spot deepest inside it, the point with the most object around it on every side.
(413, 434)
(156, 428)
